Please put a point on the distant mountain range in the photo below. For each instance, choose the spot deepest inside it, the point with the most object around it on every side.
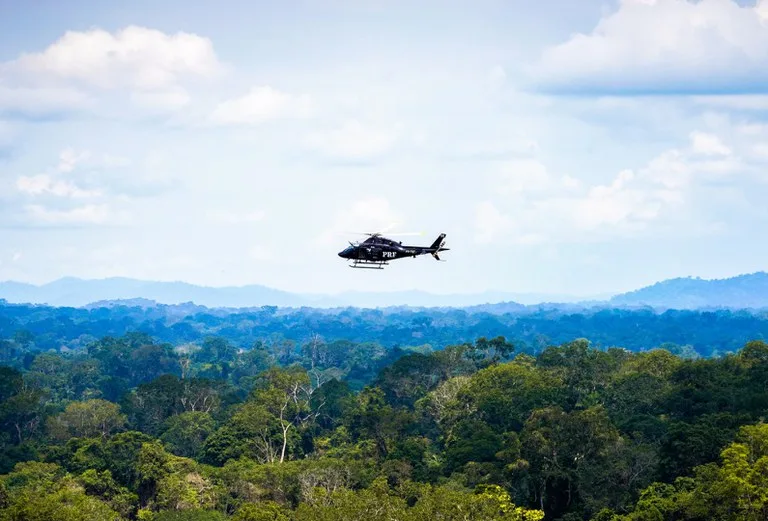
(70, 291)
(743, 291)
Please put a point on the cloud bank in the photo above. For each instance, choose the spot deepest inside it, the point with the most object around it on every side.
(151, 67)
(683, 187)
(663, 47)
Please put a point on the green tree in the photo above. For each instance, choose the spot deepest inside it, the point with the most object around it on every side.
(286, 395)
(44, 492)
(185, 434)
(87, 419)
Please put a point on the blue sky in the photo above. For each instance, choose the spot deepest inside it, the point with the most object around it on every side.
(564, 147)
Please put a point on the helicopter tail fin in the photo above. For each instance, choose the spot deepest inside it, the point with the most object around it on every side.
(438, 242)
(437, 246)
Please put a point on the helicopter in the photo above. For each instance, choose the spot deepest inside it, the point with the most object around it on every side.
(376, 251)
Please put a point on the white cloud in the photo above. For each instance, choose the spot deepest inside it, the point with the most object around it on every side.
(152, 67)
(762, 9)
(69, 158)
(536, 207)
(48, 184)
(41, 101)
(355, 141)
(753, 130)
(519, 176)
(166, 99)
(43, 184)
(708, 144)
(671, 46)
(261, 104)
(56, 195)
(623, 204)
(492, 225)
(134, 57)
(665, 183)
(676, 169)
(89, 214)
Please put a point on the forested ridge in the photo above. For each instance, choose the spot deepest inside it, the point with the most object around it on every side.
(698, 332)
(273, 415)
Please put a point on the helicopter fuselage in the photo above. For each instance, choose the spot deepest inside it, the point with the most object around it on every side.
(380, 250)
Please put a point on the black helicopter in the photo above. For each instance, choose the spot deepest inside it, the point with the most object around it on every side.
(376, 251)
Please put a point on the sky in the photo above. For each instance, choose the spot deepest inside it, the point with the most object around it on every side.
(564, 147)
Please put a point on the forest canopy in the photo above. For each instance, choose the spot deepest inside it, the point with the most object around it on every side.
(306, 415)
(700, 332)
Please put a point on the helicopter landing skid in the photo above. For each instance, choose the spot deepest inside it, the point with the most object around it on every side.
(371, 265)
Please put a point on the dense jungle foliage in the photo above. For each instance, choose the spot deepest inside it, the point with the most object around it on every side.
(703, 333)
(133, 426)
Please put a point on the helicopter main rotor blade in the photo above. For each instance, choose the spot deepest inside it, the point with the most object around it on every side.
(387, 234)
(381, 231)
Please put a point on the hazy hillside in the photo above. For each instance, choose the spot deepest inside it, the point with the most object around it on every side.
(70, 291)
(743, 291)
(76, 292)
